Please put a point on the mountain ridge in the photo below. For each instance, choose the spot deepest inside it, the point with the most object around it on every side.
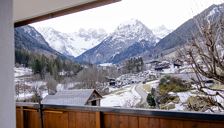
(115, 45)
(27, 38)
(187, 31)
(72, 44)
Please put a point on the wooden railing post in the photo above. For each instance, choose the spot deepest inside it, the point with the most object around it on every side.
(40, 109)
(21, 117)
(99, 120)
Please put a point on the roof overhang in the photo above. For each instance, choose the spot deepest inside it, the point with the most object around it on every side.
(30, 11)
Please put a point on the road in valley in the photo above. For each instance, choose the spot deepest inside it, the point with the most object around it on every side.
(140, 90)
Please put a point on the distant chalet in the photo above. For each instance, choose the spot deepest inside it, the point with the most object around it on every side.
(77, 97)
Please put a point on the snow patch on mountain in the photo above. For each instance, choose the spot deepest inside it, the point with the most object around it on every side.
(129, 39)
(33, 33)
(213, 12)
(133, 30)
(160, 32)
(216, 10)
(72, 44)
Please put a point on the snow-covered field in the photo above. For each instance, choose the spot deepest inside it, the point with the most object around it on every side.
(21, 74)
(123, 97)
(183, 99)
(21, 71)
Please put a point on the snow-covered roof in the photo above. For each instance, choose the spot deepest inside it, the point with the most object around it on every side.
(78, 97)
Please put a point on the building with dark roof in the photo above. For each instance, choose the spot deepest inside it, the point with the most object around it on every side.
(77, 97)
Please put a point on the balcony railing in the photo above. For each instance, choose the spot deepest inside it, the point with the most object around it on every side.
(29, 115)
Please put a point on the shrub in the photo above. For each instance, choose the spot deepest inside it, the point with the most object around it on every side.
(169, 98)
(172, 84)
(167, 106)
(198, 103)
(151, 100)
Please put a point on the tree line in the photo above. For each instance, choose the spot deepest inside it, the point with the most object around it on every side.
(134, 65)
(42, 65)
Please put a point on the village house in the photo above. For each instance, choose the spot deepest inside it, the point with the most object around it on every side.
(162, 65)
(150, 64)
(178, 63)
(77, 97)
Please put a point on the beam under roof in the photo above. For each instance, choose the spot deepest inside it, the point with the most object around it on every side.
(30, 11)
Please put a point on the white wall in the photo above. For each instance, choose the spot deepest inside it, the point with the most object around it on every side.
(7, 104)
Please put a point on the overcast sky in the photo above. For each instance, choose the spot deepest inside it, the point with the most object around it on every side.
(153, 13)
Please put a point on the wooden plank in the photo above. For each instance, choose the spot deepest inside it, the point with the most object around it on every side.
(19, 118)
(92, 119)
(86, 120)
(143, 122)
(82, 120)
(98, 119)
(114, 121)
(123, 121)
(164, 123)
(167, 123)
(55, 120)
(154, 122)
(71, 119)
(34, 118)
(176, 123)
(107, 121)
(133, 122)
(79, 120)
(196, 124)
(31, 119)
(216, 125)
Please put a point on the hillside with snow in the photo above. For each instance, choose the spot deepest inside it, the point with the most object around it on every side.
(161, 32)
(129, 39)
(189, 30)
(29, 39)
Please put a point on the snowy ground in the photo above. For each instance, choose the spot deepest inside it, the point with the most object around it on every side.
(21, 71)
(123, 97)
(21, 74)
(183, 99)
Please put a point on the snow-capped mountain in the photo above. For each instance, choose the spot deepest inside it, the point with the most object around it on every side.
(212, 16)
(29, 39)
(161, 32)
(28, 30)
(72, 44)
(129, 39)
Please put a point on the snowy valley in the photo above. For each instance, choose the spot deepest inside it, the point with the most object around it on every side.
(132, 67)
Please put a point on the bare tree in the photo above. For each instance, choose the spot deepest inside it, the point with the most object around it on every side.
(51, 85)
(88, 77)
(22, 89)
(94, 77)
(36, 93)
(205, 53)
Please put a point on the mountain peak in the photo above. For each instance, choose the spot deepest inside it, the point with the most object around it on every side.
(129, 39)
(161, 31)
(133, 30)
(72, 44)
(130, 22)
